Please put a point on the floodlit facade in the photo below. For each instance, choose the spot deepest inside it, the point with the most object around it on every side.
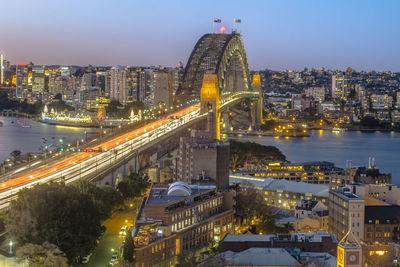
(346, 213)
(175, 218)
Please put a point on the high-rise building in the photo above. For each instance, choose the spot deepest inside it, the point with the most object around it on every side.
(22, 74)
(65, 71)
(2, 69)
(148, 95)
(318, 93)
(163, 91)
(346, 213)
(201, 159)
(115, 83)
(398, 99)
(341, 86)
(38, 79)
(88, 80)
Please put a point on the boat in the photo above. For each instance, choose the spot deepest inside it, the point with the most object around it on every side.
(23, 123)
(338, 129)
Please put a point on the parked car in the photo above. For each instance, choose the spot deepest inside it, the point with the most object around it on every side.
(114, 258)
(123, 230)
(86, 258)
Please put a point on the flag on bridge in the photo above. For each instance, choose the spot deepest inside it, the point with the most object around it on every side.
(217, 20)
(237, 20)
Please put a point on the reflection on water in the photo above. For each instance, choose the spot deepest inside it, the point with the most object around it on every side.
(14, 137)
(342, 146)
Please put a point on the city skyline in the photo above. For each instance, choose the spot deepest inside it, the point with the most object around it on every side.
(360, 36)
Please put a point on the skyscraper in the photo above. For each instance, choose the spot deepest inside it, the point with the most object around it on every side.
(38, 79)
(22, 74)
(163, 91)
(1, 69)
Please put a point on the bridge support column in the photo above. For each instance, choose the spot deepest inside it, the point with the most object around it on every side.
(257, 106)
(227, 121)
(209, 102)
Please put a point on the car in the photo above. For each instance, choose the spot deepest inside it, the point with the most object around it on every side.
(86, 258)
(114, 257)
(123, 230)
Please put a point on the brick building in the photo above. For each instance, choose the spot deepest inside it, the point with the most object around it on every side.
(178, 217)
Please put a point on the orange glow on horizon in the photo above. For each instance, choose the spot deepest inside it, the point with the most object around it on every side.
(222, 29)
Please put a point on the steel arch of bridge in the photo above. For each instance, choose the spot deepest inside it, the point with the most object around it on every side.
(215, 52)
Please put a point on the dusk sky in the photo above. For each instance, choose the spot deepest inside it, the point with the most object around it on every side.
(277, 34)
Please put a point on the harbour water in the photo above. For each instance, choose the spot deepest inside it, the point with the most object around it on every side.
(19, 136)
(321, 145)
(339, 147)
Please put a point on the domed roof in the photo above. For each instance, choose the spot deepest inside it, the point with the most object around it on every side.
(179, 188)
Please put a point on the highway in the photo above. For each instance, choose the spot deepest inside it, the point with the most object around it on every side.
(99, 157)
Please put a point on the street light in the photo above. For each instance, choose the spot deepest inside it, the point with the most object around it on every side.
(11, 244)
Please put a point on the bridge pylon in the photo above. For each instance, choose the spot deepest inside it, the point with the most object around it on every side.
(256, 107)
(209, 103)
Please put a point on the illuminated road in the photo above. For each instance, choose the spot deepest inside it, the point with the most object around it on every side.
(101, 157)
(84, 164)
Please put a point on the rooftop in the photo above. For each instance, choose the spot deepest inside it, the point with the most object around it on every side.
(383, 214)
(163, 193)
(305, 204)
(260, 257)
(294, 237)
(345, 192)
(285, 185)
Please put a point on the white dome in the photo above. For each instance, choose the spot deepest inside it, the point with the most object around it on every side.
(179, 188)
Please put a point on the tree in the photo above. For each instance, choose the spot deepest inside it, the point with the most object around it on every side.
(128, 247)
(16, 155)
(46, 255)
(250, 204)
(57, 214)
(133, 185)
(234, 162)
(369, 122)
(250, 152)
(287, 228)
(58, 96)
(266, 224)
(104, 197)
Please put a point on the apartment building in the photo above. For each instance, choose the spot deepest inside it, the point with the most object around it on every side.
(346, 213)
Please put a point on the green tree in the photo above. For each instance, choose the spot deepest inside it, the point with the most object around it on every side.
(128, 248)
(57, 214)
(369, 122)
(105, 197)
(287, 228)
(251, 152)
(133, 185)
(250, 204)
(58, 96)
(45, 255)
(266, 224)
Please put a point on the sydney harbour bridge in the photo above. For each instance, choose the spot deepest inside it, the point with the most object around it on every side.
(216, 83)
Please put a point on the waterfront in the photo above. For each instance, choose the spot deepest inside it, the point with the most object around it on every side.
(14, 137)
(321, 145)
(338, 147)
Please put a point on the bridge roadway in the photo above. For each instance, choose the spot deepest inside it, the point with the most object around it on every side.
(84, 164)
(89, 164)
